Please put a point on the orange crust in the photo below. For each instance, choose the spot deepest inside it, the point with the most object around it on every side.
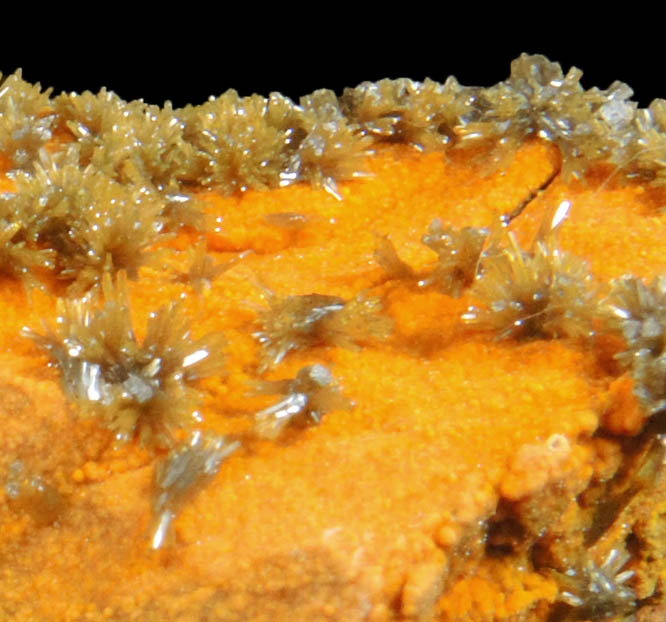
(371, 513)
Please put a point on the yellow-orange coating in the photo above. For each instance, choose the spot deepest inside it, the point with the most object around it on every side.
(368, 515)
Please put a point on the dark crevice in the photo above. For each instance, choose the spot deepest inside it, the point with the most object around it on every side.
(509, 217)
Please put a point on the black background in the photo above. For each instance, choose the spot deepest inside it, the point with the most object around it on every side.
(189, 56)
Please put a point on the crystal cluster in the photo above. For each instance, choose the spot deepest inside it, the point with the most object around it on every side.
(307, 397)
(134, 387)
(638, 312)
(235, 143)
(599, 592)
(152, 160)
(26, 120)
(298, 322)
(458, 251)
(544, 293)
(76, 222)
(181, 474)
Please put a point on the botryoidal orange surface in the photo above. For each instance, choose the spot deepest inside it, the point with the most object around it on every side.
(369, 514)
